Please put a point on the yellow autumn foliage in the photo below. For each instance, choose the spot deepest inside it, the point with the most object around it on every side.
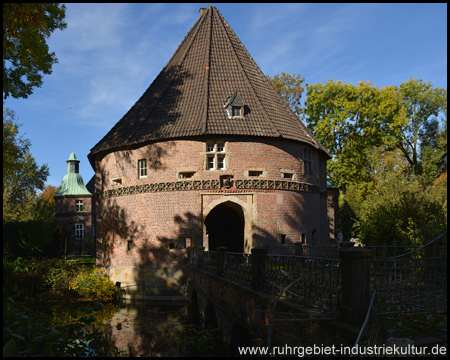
(94, 284)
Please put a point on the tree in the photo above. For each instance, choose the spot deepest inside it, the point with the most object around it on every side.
(422, 103)
(14, 146)
(398, 208)
(22, 177)
(433, 147)
(290, 89)
(350, 121)
(20, 188)
(26, 56)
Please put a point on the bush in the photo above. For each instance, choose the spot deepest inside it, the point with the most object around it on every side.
(27, 332)
(94, 284)
(59, 275)
(398, 208)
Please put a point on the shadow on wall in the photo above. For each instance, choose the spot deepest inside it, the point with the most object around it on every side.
(156, 266)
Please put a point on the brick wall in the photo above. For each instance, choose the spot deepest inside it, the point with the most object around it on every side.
(139, 229)
(67, 217)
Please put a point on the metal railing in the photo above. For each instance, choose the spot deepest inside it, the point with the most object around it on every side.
(318, 280)
(318, 285)
(372, 333)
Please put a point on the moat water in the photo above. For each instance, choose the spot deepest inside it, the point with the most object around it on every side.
(151, 329)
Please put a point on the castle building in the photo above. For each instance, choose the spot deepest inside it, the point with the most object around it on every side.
(210, 155)
(74, 212)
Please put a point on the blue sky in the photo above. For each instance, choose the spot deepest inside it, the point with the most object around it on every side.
(110, 53)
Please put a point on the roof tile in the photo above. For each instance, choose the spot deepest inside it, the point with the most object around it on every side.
(187, 97)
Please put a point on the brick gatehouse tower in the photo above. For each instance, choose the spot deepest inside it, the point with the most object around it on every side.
(210, 155)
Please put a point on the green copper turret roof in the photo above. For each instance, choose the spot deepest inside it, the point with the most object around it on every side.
(72, 183)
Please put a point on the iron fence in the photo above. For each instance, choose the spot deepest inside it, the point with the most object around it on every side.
(209, 261)
(316, 281)
(325, 251)
(414, 280)
(238, 267)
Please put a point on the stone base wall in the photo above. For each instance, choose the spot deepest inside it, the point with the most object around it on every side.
(145, 282)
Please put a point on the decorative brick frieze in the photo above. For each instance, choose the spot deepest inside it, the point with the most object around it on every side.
(212, 185)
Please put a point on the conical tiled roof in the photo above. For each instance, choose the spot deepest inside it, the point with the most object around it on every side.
(187, 98)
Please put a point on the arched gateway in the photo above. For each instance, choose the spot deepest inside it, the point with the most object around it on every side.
(225, 227)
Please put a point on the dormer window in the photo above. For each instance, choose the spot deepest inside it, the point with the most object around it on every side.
(235, 107)
(236, 111)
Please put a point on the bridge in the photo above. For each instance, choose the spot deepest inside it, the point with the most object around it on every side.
(277, 300)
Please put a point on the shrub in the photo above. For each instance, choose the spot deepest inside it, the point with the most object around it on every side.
(27, 332)
(59, 275)
(398, 208)
(94, 284)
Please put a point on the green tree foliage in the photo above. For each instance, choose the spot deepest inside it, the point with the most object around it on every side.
(26, 56)
(399, 207)
(20, 189)
(433, 147)
(14, 146)
(389, 152)
(422, 103)
(28, 217)
(351, 120)
(290, 89)
(22, 176)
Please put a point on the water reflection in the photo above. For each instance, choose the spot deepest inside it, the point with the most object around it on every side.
(143, 328)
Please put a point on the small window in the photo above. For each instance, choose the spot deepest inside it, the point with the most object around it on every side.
(288, 174)
(210, 162)
(186, 174)
(220, 162)
(79, 206)
(283, 238)
(220, 147)
(255, 173)
(235, 107)
(177, 244)
(129, 245)
(303, 238)
(142, 165)
(307, 161)
(79, 231)
(116, 181)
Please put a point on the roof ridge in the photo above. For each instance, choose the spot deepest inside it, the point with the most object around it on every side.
(266, 116)
(208, 63)
(178, 67)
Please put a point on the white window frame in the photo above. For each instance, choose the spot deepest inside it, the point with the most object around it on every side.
(215, 155)
(79, 231)
(142, 168)
(79, 206)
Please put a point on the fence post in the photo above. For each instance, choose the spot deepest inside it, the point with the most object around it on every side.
(220, 251)
(355, 272)
(200, 252)
(257, 267)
